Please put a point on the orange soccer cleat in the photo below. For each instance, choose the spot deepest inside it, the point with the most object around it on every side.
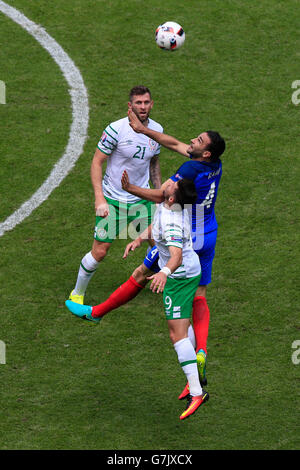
(194, 403)
(185, 392)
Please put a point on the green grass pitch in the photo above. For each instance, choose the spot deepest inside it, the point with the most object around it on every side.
(69, 384)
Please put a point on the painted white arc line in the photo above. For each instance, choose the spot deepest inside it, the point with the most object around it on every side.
(80, 114)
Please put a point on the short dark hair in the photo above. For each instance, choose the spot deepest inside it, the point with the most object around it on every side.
(138, 90)
(185, 193)
(216, 146)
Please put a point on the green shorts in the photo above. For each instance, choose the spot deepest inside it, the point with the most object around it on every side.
(178, 297)
(107, 229)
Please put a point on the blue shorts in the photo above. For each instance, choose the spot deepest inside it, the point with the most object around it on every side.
(151, 259)
(206, 257)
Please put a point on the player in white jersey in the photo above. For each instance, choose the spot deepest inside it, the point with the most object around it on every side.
(172, 228)
(125, 150)
(178, 278)
(121, 148)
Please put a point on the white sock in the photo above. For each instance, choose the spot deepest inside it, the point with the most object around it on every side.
(188, 361)
(87, 269)
(191, 335)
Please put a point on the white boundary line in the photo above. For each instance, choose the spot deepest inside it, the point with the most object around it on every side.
(80, 113)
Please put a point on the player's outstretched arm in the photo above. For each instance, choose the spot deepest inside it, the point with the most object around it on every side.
(146, 235)
(155, 195)
(165, 140)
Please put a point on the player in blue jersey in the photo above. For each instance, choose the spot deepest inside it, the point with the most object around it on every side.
(204, 167)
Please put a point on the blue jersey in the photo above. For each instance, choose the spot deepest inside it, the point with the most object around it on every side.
(206, 177)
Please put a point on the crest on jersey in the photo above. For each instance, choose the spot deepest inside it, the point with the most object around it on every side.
(101, 232)
(152, 144)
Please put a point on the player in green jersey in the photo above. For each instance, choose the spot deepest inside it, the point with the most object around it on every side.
(121, 148)
(178, 278)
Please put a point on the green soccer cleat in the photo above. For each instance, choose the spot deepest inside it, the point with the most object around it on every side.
(78, 299)
(81, 311)
(201, 363)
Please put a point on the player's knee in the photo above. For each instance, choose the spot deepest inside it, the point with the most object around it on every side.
(99, 250)
(176, 336)
(140, 275)
(173, 336)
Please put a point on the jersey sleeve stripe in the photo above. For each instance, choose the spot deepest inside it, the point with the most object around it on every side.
(111, 136)
(113, 129)
(173, 229)
(103, 151)
(158, 150)
(111, 147)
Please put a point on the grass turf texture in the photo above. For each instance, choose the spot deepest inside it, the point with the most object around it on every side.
(69, 384)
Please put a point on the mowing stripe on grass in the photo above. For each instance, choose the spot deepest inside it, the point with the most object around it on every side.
(80, 114)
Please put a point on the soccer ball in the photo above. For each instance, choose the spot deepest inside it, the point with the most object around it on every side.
(169, 36)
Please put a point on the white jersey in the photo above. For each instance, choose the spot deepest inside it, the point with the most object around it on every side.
(172, 228)
(128, 151)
